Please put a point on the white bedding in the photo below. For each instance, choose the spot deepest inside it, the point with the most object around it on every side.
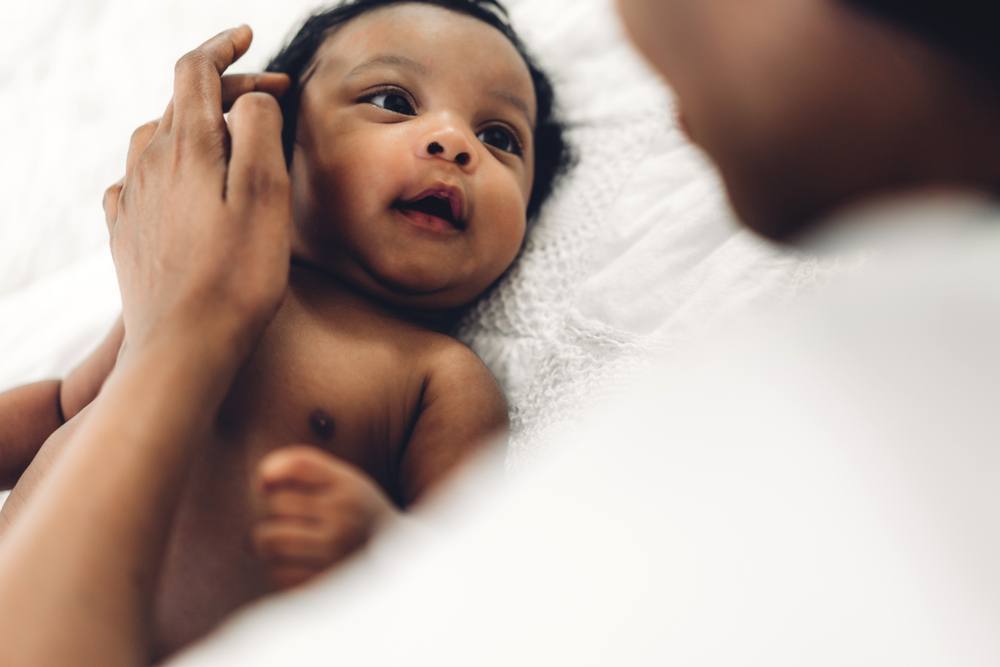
(637, 250)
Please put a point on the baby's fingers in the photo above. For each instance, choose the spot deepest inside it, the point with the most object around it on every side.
(288, 576)
(300, 467)
(283, 542)
(296, 505)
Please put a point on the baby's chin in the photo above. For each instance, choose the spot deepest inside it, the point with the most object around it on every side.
(413, 294)
(403, 290)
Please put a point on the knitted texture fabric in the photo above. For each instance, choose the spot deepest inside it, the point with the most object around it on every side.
(527, 330)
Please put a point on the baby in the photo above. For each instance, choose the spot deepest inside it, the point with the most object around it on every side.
(420, 139)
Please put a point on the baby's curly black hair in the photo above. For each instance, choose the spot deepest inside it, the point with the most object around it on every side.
(552, 154)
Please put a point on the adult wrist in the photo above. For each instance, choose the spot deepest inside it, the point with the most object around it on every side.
(211, 346)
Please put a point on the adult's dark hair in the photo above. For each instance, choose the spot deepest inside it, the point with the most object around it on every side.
(966, 28)
(552, 155)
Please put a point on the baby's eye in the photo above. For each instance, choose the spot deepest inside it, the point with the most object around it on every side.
(393, 101)
(502, 138)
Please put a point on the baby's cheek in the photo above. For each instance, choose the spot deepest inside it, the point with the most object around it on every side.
(373, 175)
(509, 207)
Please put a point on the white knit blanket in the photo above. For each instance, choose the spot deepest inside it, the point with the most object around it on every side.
(638, 249)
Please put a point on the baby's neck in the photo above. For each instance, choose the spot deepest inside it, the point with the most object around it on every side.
(329, 293)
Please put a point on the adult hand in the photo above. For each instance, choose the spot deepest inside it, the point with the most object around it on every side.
(200, 227)
(234, 86)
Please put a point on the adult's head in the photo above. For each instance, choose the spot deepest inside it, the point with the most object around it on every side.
(811, 105)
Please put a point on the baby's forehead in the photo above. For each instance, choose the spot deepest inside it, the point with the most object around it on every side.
(426, 40)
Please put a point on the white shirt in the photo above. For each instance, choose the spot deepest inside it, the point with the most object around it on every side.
(816, 487)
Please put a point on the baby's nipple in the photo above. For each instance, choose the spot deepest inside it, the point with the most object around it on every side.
(321, 424)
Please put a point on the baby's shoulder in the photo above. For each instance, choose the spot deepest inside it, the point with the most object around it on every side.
(452, 368)
(447, 356)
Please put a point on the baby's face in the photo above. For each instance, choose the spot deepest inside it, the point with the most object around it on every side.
(413, 162)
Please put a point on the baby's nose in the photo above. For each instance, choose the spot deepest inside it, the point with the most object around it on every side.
(434, 149)
(450, 145)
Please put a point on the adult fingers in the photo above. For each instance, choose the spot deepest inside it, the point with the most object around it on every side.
(236, 85)
(112, 197)
(167, 120)
(197, 102)
(257, 174)
(136, 146)
(141, 138)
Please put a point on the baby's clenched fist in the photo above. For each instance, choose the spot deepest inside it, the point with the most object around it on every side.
(315, 510)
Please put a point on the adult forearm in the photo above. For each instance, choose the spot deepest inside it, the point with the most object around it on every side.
(86, 553)
(200, 239)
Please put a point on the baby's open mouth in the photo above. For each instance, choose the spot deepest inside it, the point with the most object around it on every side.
(436, 206)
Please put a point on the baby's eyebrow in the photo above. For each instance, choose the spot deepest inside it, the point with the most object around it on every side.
(390, 59)
(517, 102)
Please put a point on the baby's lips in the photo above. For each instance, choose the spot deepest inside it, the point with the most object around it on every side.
(454, 195)
(457, 201)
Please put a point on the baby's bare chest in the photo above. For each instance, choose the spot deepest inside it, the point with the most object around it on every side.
(352, 396)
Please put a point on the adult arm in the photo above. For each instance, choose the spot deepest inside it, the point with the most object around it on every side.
(84, 565)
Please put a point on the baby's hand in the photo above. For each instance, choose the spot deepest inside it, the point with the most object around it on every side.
(315, 511)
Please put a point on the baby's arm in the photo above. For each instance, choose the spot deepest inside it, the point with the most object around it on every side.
(462, 409)
(30, 414)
